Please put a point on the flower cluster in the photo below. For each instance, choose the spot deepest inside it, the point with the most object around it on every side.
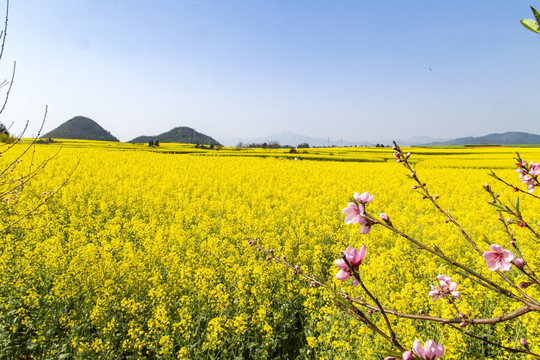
(448, 287)
(528, 174)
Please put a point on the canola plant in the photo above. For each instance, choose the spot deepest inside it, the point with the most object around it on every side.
(144, 253)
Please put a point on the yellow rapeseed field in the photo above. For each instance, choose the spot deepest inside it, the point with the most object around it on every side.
(144, 252)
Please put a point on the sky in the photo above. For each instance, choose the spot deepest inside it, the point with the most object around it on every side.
(355, 70)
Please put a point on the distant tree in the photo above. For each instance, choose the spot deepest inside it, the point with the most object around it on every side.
(274, 144)
(212, 146)
(3, 129)
(303, 146)
(265, 145)
(150, 143)
(156, 143)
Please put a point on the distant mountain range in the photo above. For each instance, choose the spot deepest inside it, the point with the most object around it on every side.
(289, 138)
(182, 134)
(81, 128)
(508, 138)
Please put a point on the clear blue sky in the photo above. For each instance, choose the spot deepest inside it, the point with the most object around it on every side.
(356, 70)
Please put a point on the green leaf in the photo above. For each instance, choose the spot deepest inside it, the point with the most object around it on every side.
(499, 207)
(536, 15)
(531, 25)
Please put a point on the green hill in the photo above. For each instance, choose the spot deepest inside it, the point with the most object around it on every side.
(82, 128)
(182, 134)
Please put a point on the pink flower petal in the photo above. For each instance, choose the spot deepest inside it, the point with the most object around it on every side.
(343, 275)
(361, 254)
(418, 349)
(491, 260)
(496, 248)
(365, 229)
(508, 256)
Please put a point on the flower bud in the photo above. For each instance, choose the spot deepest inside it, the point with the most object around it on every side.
(370, 312)
(293, 272)
(509, 220)
(398, 160)
(486, 185)
(436, 197)
(463, 324)
(415, 187)
(268, 258)
(524, 343)
(524, 285)
(519, 263)
(463, 316)
(384, 217)
(297, 267)
(408, 155)
(407, 355)
(284, 257)
(312, 285)
(446, 221)
(413, 175)
(421, 312)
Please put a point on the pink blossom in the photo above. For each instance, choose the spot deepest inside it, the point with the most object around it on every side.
(355, 258)
(529, 181)
(366, 226)
(430, 351)
(528, 176)
(534, 169)
(364, 198)
(448, 287)
(353, 213)
(435, 293)
(498, 258)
